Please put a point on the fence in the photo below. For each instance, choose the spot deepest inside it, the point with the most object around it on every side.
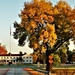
(65, 71)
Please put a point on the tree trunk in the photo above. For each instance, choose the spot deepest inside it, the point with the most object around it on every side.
(48, 66)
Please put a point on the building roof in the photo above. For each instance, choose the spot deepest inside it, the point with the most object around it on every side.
(27, 55)
(10, 54)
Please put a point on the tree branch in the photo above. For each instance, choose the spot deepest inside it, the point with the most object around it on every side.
(59, 43)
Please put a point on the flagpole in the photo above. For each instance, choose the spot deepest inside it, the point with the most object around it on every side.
(10, 44)
(10, 40)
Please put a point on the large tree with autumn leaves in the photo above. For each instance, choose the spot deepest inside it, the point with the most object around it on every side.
(41, 21)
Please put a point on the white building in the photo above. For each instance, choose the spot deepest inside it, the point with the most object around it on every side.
(6, 58)
(27, 58)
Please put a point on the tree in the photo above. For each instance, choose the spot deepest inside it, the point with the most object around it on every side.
(25, 53)
(73, 57)
(62, 52)
(35, 57)
(20, 53)
(20, 57)
(57, 60)
(3, 49)
(40, 21)
(69, 55)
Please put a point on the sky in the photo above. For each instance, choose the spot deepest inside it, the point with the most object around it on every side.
(9, 10)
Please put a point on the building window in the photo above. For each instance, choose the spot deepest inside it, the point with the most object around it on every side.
(14, 57)
(27, 57)
(7, 57)
(4, 57)
(10, 57)
(26, 60)
(30, 57)
(1, 57)
(13, 60)
(30, 60)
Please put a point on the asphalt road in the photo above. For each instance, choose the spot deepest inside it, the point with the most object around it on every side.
(17, 71)
(3, 71)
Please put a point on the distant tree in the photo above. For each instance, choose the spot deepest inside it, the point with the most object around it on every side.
(62, 52)
(17, 59)
(69, 55)
(25, 53)
(73, 57)
(20, 57)
(0, 44)
(3, 49)
(35, 57)
(20, 53)
(63, 58)
(56, 60)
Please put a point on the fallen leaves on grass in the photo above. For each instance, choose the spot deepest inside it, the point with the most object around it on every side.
(33, 72)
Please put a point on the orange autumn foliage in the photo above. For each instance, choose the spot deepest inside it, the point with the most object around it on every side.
(35, 14)
(31, 71)
(44, 22)
(3, 50)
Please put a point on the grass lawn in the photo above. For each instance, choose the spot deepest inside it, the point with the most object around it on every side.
(15, 65)
(35, 66)
(65, 66)
(63, 69)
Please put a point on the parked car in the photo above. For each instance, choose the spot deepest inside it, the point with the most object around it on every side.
(69, 62)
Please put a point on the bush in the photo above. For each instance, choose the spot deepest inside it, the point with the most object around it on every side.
(57, 60)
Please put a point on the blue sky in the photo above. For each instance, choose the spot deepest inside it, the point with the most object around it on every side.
(9, 10)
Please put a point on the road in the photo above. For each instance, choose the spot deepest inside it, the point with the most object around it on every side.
(16, 71)
(3, 71)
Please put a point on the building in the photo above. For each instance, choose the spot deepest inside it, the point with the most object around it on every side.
(27, 58)
(13, 58)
